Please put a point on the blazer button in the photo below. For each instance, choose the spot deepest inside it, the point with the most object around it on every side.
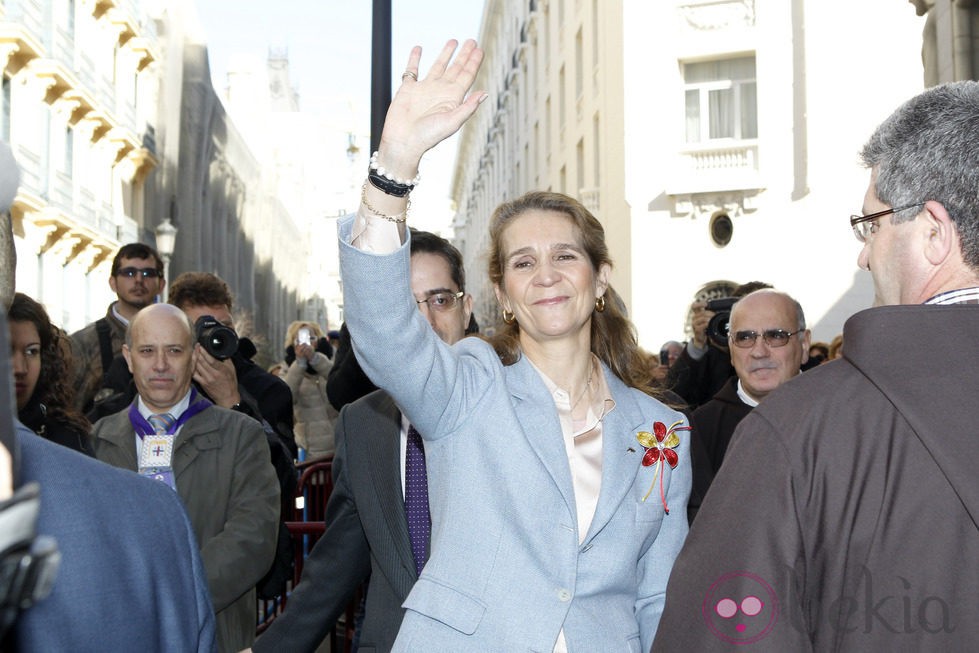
(563, 595)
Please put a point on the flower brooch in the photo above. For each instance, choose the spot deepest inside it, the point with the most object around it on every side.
(659, 446)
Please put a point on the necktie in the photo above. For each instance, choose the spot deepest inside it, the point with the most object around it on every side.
(161, 422)
(416, 499)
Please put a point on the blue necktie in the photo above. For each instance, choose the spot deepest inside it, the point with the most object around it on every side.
(161, 422)
(416, 499)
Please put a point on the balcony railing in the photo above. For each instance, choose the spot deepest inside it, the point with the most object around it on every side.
(716, 166)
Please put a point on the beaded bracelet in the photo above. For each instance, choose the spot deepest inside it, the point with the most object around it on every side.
(400, 218)
(389, 184)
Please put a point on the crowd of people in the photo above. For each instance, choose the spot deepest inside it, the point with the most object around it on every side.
(549, 487)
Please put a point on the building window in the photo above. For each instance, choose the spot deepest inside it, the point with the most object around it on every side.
(5, 110)
(721, 100)
(69, 151)
(579, 63)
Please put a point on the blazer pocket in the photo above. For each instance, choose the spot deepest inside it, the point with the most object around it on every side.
(449, 606)
(650, 511)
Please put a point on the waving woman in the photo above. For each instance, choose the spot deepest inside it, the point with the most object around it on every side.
(557, 486)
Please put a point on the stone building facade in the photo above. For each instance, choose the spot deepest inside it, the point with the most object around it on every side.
(110, 111)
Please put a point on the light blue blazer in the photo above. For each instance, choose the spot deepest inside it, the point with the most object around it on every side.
(506, 571)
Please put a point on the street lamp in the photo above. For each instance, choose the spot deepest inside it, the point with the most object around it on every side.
(166, 241)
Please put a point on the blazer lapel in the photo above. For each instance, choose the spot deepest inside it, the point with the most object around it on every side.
(538, 420)
(119, 432)
(382, 444)
(619, 465)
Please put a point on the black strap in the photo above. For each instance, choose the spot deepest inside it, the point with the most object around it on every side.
(104, 330)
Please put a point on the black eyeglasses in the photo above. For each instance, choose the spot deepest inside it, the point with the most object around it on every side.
(146, 273)
(864, 225)
(441, 301)
(772, 337)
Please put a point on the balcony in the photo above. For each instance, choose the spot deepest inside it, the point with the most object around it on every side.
(715, 166)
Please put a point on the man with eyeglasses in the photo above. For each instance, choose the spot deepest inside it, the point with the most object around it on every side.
(769, 343)
(137, 279)
(845, 515)
(367, 525)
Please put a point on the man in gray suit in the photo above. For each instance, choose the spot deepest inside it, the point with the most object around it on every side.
(366, 528)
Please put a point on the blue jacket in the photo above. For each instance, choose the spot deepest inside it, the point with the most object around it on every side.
(506, 570)
(130, 577)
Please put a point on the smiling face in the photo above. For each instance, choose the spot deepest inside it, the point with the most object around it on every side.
(25, 356)
(549, 283)
(761, 368)
(160, 356)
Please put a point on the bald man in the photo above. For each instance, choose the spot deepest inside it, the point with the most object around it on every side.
(769, 343)
(216, 459)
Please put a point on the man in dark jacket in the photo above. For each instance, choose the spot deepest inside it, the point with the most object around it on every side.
(768, 343)
(367, 531)
(845, 515)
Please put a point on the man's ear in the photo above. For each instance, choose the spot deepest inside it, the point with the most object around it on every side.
(467, 309)
(942, 236)
(806, 342)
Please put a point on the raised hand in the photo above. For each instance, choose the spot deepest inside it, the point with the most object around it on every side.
(427, 110)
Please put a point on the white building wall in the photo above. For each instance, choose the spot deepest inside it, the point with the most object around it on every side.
(824, 80)
(822, 87)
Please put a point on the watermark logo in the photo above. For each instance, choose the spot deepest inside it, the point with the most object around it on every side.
(740, 608)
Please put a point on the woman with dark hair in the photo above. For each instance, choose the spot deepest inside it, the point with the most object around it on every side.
(39, 352)
(557, 484)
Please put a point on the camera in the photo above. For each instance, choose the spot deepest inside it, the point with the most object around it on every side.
(720, 325)
(218, 340)
(304, 337)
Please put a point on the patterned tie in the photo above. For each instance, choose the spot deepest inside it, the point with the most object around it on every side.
(161, 422)
(416, 499)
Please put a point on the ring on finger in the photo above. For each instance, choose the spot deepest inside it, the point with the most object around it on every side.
(409, 73)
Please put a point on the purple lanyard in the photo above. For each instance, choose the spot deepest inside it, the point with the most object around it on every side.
(144, 428)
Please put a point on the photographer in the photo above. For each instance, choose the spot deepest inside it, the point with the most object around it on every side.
(230, 379)
(308, 355)
(704, 366)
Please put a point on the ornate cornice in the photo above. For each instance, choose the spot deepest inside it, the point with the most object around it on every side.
(718, 14)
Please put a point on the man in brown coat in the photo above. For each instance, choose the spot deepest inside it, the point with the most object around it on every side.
(845, 515)
(216, 459)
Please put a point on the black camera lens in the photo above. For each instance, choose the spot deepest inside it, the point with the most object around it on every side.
(720, 325)
(217, 339)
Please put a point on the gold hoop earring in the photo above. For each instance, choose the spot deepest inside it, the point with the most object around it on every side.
(508, 316)
(600, 304)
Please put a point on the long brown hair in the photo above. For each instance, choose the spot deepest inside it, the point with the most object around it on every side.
(613, 337)
(53, 387)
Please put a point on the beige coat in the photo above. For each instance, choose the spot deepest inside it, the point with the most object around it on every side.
(314, 415)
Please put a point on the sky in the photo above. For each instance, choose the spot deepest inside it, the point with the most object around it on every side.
(329, 48)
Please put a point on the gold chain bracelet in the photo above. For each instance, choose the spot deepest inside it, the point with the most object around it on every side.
(400, 218)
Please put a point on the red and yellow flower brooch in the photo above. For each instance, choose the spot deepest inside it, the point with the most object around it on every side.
(660, 448)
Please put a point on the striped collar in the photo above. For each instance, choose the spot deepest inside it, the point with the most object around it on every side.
(960, 296)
